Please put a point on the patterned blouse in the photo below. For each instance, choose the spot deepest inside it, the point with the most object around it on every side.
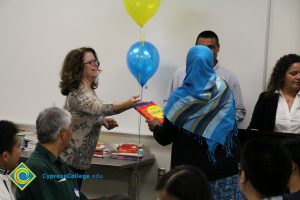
(87, 113)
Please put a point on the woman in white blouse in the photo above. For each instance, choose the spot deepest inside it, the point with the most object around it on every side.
(278, 108)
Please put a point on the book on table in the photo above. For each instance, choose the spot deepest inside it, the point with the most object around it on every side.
(125, 151)
(103, 150)
(129, 151)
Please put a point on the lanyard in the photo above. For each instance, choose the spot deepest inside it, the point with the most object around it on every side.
(6, 186)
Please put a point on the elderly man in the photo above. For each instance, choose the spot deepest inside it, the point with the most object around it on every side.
(54, 136)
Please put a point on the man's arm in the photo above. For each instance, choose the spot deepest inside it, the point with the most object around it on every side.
(176, 81)
(233, 82)
(239, 105)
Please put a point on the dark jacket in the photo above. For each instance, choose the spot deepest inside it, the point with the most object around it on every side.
(292, 196)
(264, 114)
(50, 182)
(188, 150)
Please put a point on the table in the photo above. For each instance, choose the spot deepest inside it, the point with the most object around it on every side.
(132, 166)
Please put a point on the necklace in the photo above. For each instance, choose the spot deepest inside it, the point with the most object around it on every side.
(289, 100)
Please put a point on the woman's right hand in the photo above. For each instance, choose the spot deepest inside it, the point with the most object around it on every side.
(134, 101)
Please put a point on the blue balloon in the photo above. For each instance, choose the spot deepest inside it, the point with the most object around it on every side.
(142, 61)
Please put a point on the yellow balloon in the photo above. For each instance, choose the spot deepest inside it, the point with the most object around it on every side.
(141, 10)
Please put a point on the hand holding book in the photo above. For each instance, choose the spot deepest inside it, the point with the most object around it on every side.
(153, 123)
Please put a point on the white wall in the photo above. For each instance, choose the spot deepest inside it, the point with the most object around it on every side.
(284, 31)
(37, 34)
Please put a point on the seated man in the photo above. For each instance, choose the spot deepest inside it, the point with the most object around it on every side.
(293, 145)
(9, 156)
(265, 169)
(54, 135)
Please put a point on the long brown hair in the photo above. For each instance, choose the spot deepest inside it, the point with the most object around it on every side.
(72, 70)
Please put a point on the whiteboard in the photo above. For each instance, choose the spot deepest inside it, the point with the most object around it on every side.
(37, 34)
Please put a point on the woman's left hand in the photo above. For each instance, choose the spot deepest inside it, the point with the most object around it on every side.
(153, 123)
(110, 123)
(121, 107)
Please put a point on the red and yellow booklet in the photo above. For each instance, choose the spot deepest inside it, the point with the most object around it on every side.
(150, 110)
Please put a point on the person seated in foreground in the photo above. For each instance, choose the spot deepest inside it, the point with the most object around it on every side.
(54, 135)
(9, 156)
(184, 182)
(265, 169)
(293, 145)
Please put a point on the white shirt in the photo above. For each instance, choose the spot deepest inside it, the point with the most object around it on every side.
(288, 120)
(224, 74)
(5, 190)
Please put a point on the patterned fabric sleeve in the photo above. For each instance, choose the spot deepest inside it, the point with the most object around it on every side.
(88, 102)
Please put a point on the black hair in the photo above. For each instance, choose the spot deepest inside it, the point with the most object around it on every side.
(115, 197)
(186, 182)
(277, 77)
(267, 166)
(293, 145)
(208, 34)
(8, 131)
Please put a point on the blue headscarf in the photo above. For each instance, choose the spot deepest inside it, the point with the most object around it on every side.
(204, 104)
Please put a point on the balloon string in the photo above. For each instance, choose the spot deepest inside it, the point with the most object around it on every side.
(141, 29)
(142, 36)
(139, 116)
(140, 87)
(141, 44)
(141, 95)
(139, 123)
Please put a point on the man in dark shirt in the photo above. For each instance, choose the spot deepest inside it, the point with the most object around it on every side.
(54, 179)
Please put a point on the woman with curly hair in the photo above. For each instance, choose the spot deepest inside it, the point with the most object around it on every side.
(278, 108)
(78, 82)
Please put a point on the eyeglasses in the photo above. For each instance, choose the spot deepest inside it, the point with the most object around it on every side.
(94, 63)
(212, 47)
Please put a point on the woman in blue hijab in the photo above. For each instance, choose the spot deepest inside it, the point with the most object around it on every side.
(200, 122)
